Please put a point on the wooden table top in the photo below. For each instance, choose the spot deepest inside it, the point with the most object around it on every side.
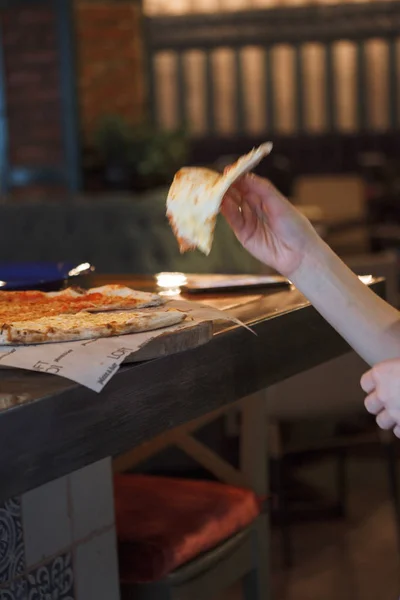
(55, 426)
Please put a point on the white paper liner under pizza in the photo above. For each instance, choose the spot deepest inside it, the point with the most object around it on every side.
(86, 335)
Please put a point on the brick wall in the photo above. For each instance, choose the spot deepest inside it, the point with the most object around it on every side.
(109, 72)
(109, 61)
(32, 85)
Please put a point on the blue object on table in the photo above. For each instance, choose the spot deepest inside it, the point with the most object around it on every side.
(41, 276)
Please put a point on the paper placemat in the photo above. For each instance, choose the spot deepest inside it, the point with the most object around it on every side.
(93, 363)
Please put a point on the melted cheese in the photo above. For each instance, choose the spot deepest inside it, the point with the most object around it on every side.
(62, 328)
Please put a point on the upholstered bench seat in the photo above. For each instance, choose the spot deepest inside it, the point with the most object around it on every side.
(116, 234)
(163, 523)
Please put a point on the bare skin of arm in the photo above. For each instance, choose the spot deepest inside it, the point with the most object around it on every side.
(368, 323)
(271, 229)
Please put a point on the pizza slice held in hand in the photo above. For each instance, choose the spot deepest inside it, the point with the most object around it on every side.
(195, 198)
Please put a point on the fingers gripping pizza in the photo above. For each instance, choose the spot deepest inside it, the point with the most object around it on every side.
(195, 197)
(34, 317)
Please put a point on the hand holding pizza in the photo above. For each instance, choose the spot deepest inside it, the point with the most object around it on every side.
(271, 229)
(382, 384)
(267, 225)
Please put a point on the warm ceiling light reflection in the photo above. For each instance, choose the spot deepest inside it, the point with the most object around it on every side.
(170, 283)
(367, 279)
(79, 269)
(179, 7)
(230, 5)
(206, 6)
(164, 7)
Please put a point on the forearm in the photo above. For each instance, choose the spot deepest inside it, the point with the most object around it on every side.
(368, 323)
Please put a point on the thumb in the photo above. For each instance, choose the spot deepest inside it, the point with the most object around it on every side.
(232, 212)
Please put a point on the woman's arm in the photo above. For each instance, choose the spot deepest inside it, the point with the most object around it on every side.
(278, 235)
(369, 324)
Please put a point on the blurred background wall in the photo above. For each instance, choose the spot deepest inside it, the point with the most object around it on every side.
(283, 80)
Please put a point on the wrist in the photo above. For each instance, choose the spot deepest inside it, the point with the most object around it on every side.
(315, 258)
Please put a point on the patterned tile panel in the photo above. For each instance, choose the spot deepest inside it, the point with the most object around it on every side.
(52, 581)
(12, 554)
(18, 590)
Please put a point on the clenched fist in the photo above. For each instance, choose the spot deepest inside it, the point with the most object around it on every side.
(382, 386)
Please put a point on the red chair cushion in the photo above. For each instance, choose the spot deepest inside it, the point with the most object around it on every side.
(163, 523)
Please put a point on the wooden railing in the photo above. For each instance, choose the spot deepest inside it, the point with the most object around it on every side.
(267, 29)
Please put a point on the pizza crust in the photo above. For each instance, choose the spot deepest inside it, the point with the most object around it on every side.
(84, 326)
(195, 197)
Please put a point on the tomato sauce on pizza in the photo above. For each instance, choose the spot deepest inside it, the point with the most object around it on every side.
(28, 305)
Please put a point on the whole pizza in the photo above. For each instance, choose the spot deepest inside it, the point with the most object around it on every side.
(34, 317)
